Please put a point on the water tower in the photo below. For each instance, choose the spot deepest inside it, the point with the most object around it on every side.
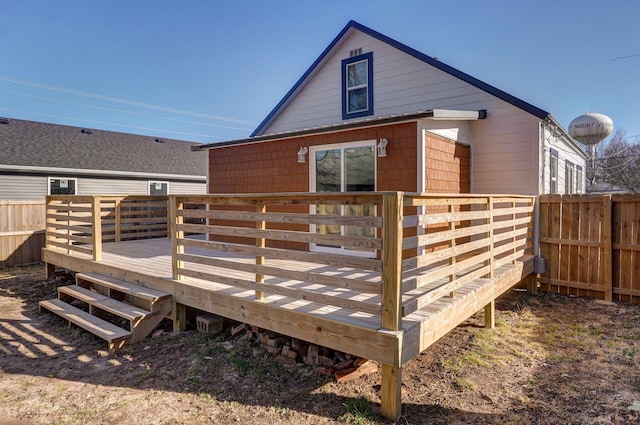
(590, 129)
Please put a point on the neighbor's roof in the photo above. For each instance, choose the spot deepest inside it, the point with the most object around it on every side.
(36, 144)
(353, 26)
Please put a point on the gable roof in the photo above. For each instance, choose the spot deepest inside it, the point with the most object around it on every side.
(355, 26)
(27, 145)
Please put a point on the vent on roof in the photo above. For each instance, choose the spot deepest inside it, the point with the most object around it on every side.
(86, 131)
(4, 120)
(355, 52)
(159, 140)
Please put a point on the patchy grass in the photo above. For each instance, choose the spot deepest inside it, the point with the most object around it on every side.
(550, 360)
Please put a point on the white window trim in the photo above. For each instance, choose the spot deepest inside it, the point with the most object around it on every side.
(49, 179)
(357, 87)
(553, 171)
(150, 182)
(569, 177)
(312, 186)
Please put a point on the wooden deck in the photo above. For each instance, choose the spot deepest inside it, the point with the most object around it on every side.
(429, 262)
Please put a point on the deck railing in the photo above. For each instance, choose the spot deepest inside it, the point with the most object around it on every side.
(379, 254)
(80, 224)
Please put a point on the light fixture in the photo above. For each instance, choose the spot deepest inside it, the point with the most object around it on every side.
(301, 153)
(382, 147)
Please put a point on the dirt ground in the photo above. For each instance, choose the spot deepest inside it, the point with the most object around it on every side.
(551, 360)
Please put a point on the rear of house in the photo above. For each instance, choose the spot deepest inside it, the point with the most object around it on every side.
(387, 117)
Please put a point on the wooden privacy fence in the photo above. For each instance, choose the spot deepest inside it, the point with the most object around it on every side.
(591, 244)
(22, 232)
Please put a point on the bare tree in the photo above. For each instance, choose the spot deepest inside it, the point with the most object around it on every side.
(615, 163)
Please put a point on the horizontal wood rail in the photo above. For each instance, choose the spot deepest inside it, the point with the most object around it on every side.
(379, 254)
(412, 251)
(80, 224)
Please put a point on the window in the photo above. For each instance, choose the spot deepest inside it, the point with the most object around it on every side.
(579, 179)
(158, 188)
(357, 86)
(349, 167)
(62, 186)
(569, 177)
(553, 172)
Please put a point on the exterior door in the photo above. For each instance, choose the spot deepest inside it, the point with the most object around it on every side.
(349, 167)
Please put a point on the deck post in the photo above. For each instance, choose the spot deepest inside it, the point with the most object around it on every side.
(452, 244)
(260, 243)
(391, 394)
(118, 217)
(490, 315)
(491, 244)
(175, 219)
(96, 224)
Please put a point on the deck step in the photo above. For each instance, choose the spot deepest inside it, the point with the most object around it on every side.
(148, 294)
(95, 300)
(111, 333)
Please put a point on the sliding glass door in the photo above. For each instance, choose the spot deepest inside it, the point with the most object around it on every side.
(349, 167)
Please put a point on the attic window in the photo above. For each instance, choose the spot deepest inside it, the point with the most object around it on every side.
(355, 52)
(4, 120)
(357, 86)
(86, 131)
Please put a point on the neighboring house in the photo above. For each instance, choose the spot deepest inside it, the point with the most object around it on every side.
(39, 159)
(374, 114)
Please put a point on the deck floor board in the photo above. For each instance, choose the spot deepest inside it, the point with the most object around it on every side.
(150, 261)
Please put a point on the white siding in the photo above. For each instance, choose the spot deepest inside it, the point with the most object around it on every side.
(565, 153)
(93, 186)
(134, 187)
(23, 187)
(35, 187)
(504, 148)
(402, 84)
(179, 188)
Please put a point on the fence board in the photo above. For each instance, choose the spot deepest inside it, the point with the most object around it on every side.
(592, 245)
(22, 232)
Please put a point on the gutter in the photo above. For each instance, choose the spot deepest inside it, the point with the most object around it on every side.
(435, 114)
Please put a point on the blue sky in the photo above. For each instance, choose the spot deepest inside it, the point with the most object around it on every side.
(229, 63)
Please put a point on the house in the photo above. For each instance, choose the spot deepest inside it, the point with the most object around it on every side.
(374, 114)
(39, 159)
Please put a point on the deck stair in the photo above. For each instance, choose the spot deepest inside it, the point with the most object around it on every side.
(118, 311)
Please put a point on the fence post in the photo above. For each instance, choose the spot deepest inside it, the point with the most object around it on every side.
(607, 247)
(96, 215)
(390, 391)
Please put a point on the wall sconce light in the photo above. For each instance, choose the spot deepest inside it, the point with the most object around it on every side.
(382, 147)
(301, 153)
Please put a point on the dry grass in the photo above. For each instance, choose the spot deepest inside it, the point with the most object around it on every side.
(550, 360)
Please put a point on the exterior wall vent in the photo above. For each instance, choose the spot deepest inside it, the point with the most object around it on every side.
(355, 52)
(4, 120)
